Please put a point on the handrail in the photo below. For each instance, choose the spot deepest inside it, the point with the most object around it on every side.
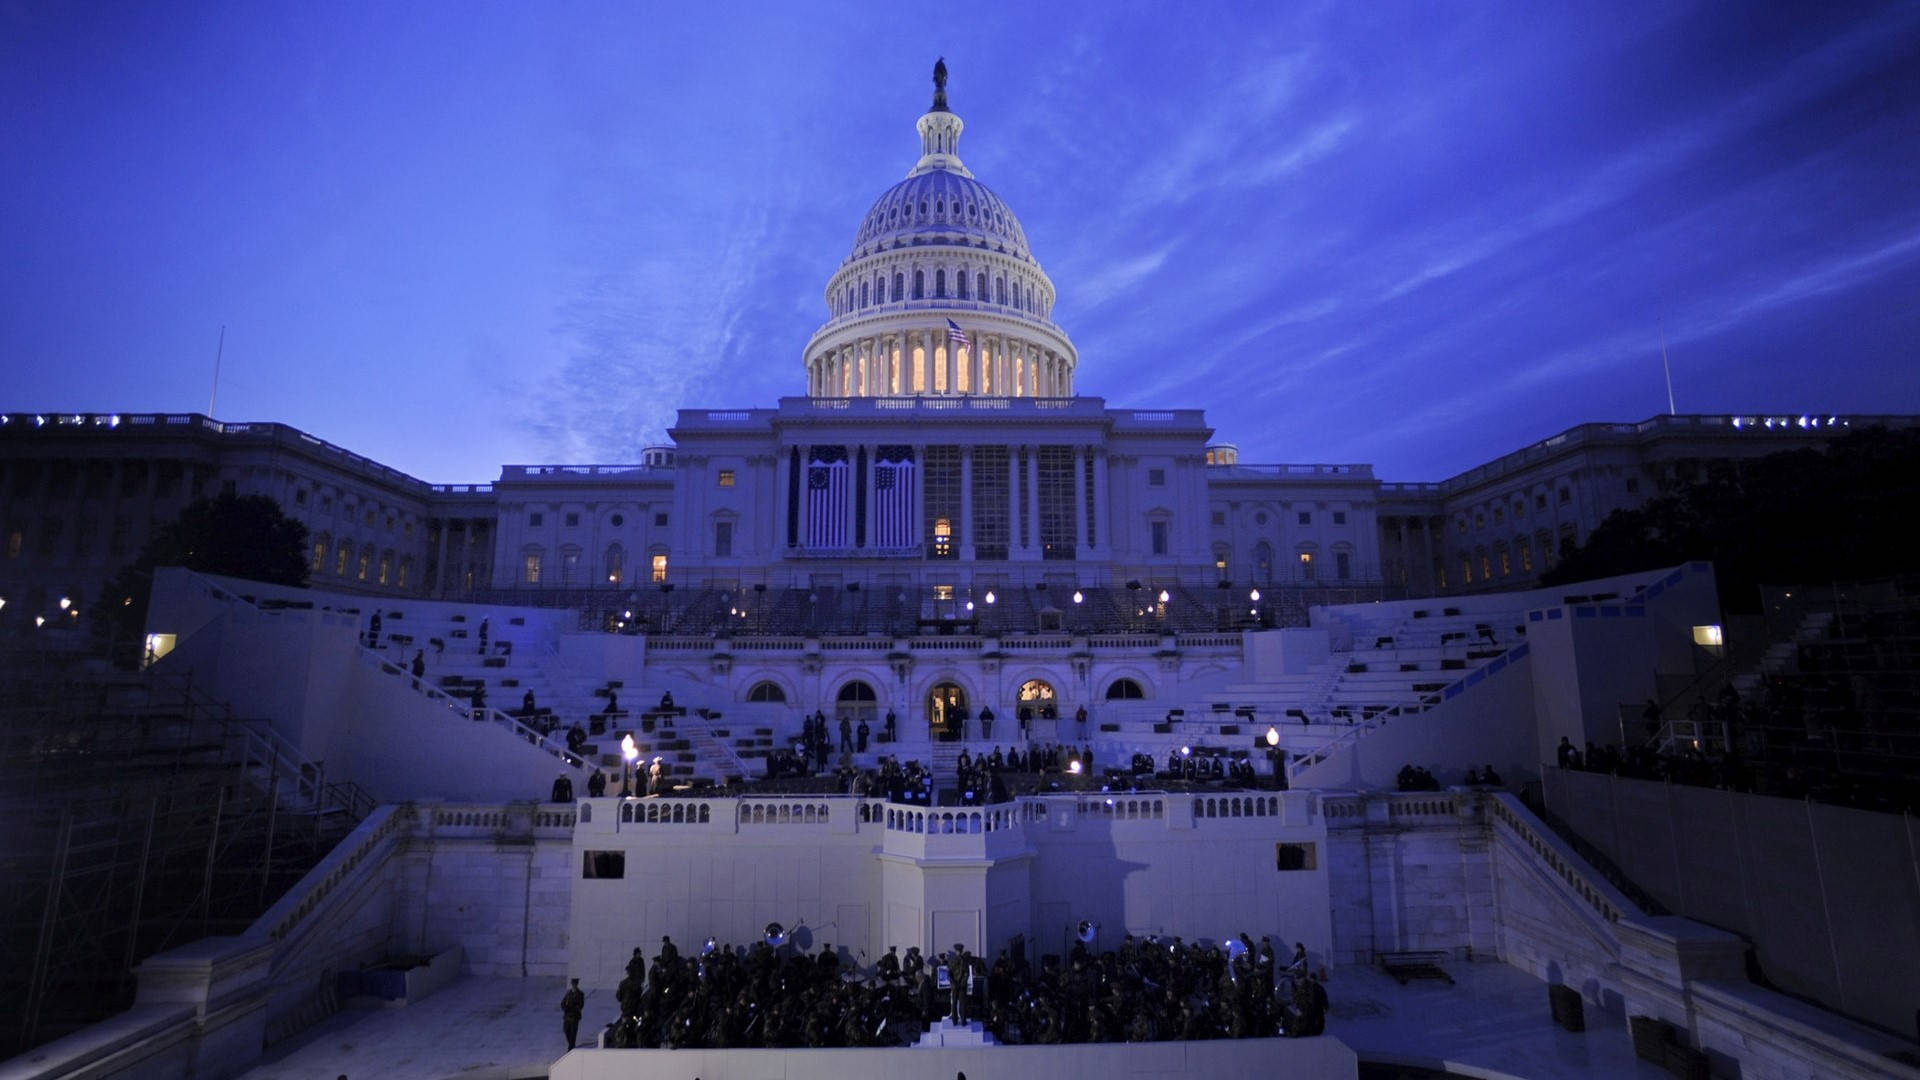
(489, 713)
(1555, 854)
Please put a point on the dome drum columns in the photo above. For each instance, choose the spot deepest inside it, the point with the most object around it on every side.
(923, 362)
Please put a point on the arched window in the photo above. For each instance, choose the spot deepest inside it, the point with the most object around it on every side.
(406, 571)
(1124, 690)
(899, 286)
(319, 553)
(616, 564)
(1000, 291)
(919, 284)
(981, 292)
(766, 690)
(366, 562)
(863, 294)
(856, 702)
(1263, 563)
(960, 284)
(940, 284)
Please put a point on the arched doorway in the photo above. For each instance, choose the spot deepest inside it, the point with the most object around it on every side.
(1037, 700)
(856, 702)
(946, 712)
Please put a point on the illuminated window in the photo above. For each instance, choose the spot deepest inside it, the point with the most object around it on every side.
(319, 555)
(365, 565)
(406, 571)
(659, 568)
(942, 536)
(1506, 562)
(386, 568)
(1709, 635)
(726, 477)
(340, 554)
(1486, 566)
(1306, 565)
(532, 568)
(1466, 570)
(1526, 556)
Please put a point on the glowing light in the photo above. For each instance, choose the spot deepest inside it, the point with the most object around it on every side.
(1164, 597)
(969, 605)
(1273, 735)
(990, 596)
(1186, 751)
(1254, 595)
(627, 749)
(39, 620)
(65, 603)
(1073, 767)
(1078, 596)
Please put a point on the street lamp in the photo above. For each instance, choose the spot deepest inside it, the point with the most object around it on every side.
(629, 752)
(1276, 759)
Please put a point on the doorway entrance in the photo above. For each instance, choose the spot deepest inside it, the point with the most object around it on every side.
(1037, 702)
(946, 712)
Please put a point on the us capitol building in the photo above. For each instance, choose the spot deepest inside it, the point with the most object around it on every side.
(940, 527)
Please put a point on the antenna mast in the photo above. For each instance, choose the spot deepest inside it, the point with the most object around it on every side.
(217, 353)
(1666, 367)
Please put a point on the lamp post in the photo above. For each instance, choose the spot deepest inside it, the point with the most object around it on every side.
(1274, 758)
(628, 752)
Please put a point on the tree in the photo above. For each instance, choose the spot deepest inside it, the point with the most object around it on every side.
(1795, 517)
(243, 536)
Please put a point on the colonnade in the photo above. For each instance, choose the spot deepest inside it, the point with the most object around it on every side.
(916, 362)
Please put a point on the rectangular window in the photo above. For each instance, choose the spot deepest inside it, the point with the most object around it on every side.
(1057, 533)
(1086, 487)
(660, 520)
(1466, 570)
(1343, 565)
(1506, 563)
(990, 526)
(603, 864)
(365, 565)
(1339, 517)
(536, 519)
(300, 497)
(1158, 529)
(1486, 567)
(1295, 857)
(1566, 496)
(533, 570)
(340, 560)
(319, 555)
(1499, 515)
(1539, 502)
(659, 568)
(386, 569)
(940, 511)
(1526, 556)
(723, 539)
(1479, 520)
(1156, 478)
(573, 521)
(726, 477)
(1219, 517)
(1633, 485)
(1306, 517)
(569, 567)
(406, 565)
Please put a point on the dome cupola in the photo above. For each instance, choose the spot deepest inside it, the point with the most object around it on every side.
(940, 294)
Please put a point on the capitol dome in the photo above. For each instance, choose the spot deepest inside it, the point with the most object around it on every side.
(940, 206)
(940, 294)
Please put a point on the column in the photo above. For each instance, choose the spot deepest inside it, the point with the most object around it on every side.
(1079, 500)
(953, 367)
(1013, 502)
(1033, 500)
(1102, 516)
(440, 571)
(966, 504)
(926, 359)
(920, 495)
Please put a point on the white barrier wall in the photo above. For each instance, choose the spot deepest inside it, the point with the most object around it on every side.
(864, 874)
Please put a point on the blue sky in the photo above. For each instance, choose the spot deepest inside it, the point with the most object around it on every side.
(452, 236)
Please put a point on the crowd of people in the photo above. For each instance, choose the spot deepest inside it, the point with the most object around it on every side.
(774, 995)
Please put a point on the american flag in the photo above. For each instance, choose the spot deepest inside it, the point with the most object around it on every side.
(955, 334)
(827, 505)
(893, 492)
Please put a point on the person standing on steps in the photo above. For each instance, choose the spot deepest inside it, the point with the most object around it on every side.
(571, 1006)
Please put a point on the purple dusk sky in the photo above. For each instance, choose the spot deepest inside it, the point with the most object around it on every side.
(451, 236)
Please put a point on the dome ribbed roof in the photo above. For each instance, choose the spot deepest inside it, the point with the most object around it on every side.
(941, 208)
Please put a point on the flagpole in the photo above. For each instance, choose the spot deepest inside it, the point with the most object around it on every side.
(218, 352)
(1666, 367)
